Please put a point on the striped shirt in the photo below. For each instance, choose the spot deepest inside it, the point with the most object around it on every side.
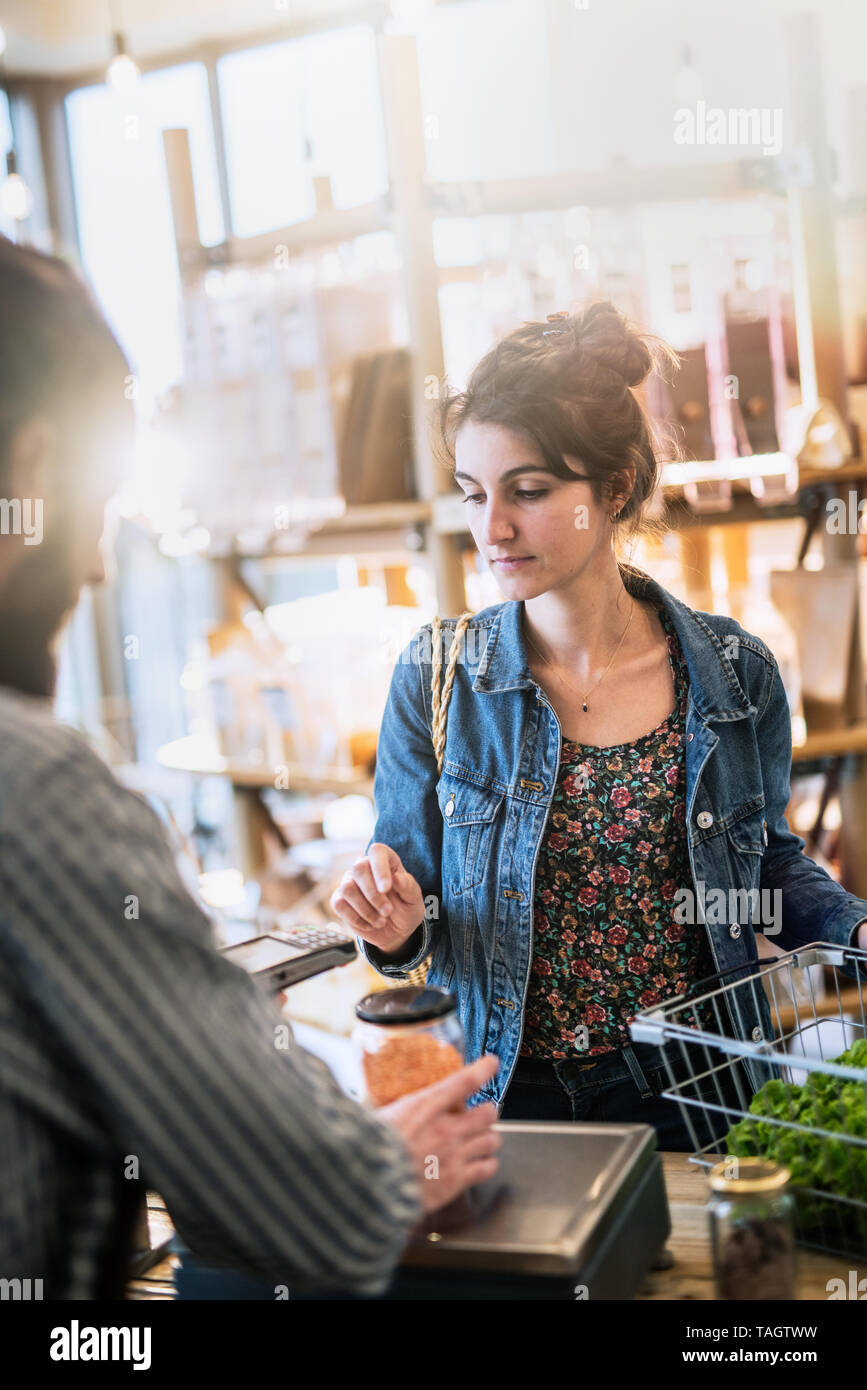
(133, 1056)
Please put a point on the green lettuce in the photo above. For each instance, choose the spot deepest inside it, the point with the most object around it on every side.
(832, 1165)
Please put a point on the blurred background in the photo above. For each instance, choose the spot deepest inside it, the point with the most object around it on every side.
(301, 219)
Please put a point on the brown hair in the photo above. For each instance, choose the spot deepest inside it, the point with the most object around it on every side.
(567, 385)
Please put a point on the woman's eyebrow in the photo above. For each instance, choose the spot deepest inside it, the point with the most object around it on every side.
(511, 472)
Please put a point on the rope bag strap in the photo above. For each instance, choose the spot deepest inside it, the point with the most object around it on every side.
(440, 694)
(441, 690)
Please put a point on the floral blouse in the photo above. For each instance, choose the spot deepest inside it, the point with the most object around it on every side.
(606, 944)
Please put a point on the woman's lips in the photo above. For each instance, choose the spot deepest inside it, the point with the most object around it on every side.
(514, 562)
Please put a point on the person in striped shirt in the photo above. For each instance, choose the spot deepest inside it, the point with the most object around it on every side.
(132, 1054)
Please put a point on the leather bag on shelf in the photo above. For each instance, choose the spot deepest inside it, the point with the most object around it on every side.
(375, 457)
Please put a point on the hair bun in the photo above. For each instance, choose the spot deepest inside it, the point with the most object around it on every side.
(604, 336)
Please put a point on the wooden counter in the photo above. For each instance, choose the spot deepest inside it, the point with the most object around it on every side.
(690, 1277)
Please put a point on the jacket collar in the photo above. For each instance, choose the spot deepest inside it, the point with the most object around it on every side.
(716, 691)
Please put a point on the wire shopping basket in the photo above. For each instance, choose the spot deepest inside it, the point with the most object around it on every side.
(799, 1098)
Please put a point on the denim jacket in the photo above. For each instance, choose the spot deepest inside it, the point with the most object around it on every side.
(471, 836)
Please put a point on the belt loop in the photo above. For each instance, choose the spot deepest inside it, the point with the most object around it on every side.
(638, 1076)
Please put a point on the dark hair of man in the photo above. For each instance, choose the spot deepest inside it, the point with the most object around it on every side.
(56, 350)
(59, 363)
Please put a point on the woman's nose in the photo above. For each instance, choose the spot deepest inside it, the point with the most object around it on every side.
(496, 524)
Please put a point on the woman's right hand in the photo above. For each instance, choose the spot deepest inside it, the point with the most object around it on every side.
(379, 900)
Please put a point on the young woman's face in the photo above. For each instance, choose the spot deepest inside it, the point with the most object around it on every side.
(536, 531)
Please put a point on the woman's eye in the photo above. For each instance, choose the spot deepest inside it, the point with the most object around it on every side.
(525, 494)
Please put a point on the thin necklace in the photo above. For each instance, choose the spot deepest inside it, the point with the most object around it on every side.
(547, 662)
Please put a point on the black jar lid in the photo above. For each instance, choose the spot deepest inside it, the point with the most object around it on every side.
(408, 1004)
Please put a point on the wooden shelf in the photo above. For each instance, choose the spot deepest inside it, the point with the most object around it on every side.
(851, 1002)
(201, 757)
(856, 471)
(375, 516)
(363, 530)
(832, 743)
(690, 1279)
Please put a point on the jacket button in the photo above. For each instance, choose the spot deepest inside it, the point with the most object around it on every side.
(734, 930)
(690, 737)
(450, 807)
(704, 819)
(756, 1034)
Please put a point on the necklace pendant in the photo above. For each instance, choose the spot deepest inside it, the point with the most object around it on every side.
(584, 706)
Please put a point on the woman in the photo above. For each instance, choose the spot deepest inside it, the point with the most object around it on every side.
(611, 756)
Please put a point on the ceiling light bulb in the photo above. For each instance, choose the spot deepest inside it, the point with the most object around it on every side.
(16, 200)
(122, 73)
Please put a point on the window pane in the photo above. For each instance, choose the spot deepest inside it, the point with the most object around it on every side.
(5, 125)
(178, 97)
(487, 103)
(124, 212)
(7, 224)
(325, 88)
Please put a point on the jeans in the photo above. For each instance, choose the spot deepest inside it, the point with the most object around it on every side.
(625, 1086)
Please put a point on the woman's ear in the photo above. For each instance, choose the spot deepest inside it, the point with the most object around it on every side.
(620, 487)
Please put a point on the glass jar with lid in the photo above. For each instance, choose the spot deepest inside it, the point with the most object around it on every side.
(407, 1038)
(752, 1232)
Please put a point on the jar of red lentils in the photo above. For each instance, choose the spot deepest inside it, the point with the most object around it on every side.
(407, 1038)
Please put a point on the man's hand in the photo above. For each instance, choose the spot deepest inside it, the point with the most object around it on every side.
(379, 900)
(453, 1148)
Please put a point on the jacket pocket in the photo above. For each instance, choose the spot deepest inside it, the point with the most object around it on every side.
(747, 831)
(745, 837)
(469, 810)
